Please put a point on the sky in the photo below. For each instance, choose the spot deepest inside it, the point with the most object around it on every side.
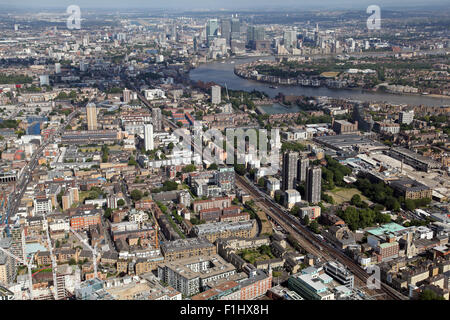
(227, 4)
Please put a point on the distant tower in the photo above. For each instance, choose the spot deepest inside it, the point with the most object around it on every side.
(215, 95)
(57, 68)
(126, 95)
(157, 119)
(316, 35)
(148, 137)
(212, 30)
(289, 170)
(314, 184)
(91, 112)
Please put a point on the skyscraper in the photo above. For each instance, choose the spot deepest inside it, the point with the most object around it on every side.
(126, 95)
(235, 25)
(235, 28)
(91, 113)
(18, 241)
(255, 33)
(212, 30)
(316, 35)
(225, 30)
(157, 119)
(289, 170)
(216, 95)
(290, 39)
(195, 44)
(8, 269)
(302, 168)
(148, 137)
(313, 184)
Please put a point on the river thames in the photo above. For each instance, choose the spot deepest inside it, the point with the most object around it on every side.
(223, 74)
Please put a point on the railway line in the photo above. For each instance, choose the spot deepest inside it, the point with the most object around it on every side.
(301, 234)
(311, 244)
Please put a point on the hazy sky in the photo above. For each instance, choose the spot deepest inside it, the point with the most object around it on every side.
(226, 4)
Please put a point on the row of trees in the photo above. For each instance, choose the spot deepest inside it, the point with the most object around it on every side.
(167, 186)
(333, 174)
(379, 193)
(105, 153)
(358, 218)
(64, 96)
(14, 78)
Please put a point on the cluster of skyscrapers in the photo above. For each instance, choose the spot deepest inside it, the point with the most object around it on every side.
(296, 170)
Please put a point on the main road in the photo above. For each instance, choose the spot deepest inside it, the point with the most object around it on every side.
(26, 176)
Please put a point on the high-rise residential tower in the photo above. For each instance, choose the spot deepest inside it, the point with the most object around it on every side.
(216, 94)
(313, 184)
(289, 170)
(148, 137)
(157, 119)
(302, 168)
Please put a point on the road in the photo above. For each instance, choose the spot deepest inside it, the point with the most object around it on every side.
(25, 178)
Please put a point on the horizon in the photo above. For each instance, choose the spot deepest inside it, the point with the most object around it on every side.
(209, 5)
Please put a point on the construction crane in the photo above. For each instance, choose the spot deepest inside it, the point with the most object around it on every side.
(29, 266)
(93, 250)
(54, 264)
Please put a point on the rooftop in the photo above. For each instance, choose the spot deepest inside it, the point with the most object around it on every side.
(387, 228)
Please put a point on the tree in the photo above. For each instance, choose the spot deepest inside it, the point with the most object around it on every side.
(108, 213)
(240, 169)
(409, 204)
(121, 202)
(295, 210)
(314, 226)
(306, 220)
(356, 200)
(72, 262)
(189, 168)
(261, 182)
(277, 198)
(136, 195)
(132, 161)
(430, 295)
(392, 204)
(213, 167)
(170, 185)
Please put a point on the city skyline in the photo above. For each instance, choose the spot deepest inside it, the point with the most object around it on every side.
(264, 151)
(203, 5)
